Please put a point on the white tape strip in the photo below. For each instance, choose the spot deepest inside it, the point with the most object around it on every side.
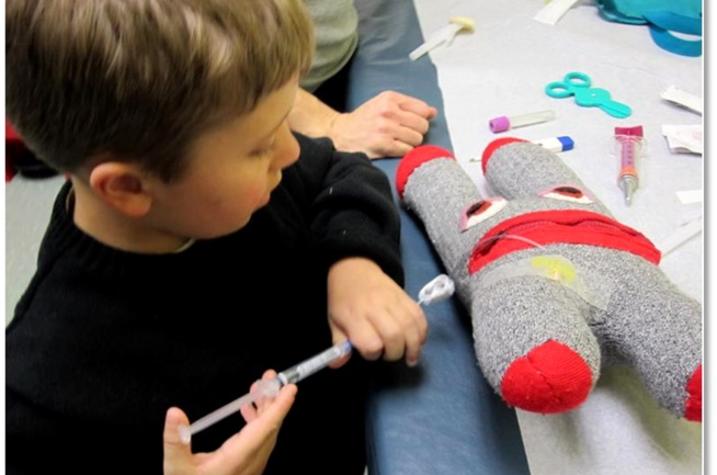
(690, 196)
(553, 11)
(682, 98)
(681, 236)
(439, 37)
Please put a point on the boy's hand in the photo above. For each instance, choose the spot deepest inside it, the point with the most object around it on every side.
(245, 453)
(373, 312)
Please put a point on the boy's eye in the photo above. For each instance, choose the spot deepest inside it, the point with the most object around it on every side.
(567, 193)
(480, 211)
(260, 153)
(264, 151)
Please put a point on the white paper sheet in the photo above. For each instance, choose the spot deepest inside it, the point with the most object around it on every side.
(690, 196)
(684, 138)
(502, 69)
(683, 98)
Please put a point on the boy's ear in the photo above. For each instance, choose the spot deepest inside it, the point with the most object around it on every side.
(123, 186)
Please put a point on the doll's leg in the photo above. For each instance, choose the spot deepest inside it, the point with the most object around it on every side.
(534, 344)
(657, 330)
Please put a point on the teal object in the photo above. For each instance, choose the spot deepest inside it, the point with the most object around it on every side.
(662, 17)
(578, 84)
(663, 22)
(634, 11)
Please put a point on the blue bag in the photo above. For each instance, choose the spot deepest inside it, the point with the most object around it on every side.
(662, 17)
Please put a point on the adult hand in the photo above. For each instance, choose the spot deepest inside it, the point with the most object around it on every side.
(245, 453)
(388, 125)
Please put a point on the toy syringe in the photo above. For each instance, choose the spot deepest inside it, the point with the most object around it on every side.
(436, 290)
(630, 141)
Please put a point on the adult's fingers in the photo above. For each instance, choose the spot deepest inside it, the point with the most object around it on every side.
(264, 400)
(259, 432)
(408, 136)
(248, 412)
(253, 444)
(412, 121)
(417, 106)
(398, 149)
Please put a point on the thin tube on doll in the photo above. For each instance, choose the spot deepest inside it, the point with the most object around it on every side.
(549, 266)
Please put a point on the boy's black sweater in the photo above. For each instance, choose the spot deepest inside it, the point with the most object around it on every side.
(104, 341)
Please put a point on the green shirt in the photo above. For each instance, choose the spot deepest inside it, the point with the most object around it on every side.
(336, 27)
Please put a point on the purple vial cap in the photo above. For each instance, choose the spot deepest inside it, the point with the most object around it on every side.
(499, 124)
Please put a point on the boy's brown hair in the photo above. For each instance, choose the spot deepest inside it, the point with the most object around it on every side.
(141, 79)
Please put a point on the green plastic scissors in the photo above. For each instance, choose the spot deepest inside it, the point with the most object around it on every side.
(578, 84)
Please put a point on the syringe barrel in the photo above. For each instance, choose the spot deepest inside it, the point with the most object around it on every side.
(312, 365)
(629, 143)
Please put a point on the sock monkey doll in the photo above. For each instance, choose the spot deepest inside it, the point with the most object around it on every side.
(555, 286)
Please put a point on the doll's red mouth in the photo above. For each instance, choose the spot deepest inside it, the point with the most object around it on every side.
(559, 227)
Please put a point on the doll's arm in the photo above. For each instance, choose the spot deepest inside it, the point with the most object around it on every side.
(518, 169)
(435, 187)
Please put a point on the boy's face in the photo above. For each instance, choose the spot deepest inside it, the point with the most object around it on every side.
(231, 172)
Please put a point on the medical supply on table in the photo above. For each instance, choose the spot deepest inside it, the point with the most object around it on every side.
(688, 197)
(553, 11)
(684, 138)
(680, 236)
(629, 141)
(556, 144)
(685, 99)
(503, 123)
(579, 85)
(438, 289)
(444, 35)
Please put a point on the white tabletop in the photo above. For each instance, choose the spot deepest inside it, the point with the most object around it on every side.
(502, 69)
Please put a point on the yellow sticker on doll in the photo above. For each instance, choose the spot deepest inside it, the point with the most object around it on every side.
(555, 268)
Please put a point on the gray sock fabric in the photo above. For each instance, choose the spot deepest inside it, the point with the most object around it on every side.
(642, 319)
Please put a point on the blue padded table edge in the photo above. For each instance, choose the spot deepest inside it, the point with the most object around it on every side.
(441, 417)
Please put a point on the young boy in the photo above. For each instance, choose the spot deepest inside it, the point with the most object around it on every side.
(167, 276)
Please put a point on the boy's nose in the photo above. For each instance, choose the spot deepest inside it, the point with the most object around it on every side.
(289, 151)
